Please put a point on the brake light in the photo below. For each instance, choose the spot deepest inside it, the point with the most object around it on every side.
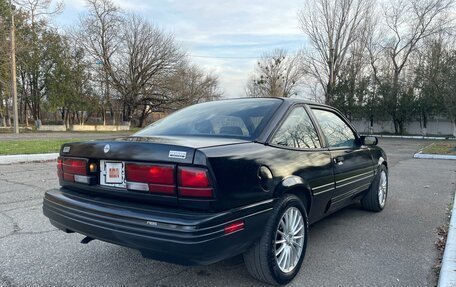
(159, 174)
(75, 166)
(74, 170)
(152, 178)
(194, 182)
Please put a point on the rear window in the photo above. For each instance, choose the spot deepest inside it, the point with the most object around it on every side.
(240, 118)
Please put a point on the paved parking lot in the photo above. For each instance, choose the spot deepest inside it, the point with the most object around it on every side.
(350, 248)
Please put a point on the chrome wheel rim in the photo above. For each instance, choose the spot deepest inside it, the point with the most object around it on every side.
(382, 188)
(289, 239)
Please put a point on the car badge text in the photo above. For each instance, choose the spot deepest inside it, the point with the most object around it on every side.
(177, 154)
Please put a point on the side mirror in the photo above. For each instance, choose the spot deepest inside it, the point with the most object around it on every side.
(369, 140)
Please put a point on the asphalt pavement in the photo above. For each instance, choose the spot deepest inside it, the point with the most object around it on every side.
(349, 248)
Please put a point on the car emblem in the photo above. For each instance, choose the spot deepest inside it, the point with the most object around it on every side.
(177, 154)
(106, 148)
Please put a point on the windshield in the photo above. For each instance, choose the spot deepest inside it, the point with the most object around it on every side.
(239, 118)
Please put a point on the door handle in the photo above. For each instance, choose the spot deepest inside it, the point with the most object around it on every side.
(339, 160)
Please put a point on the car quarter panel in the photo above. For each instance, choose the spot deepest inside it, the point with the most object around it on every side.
(236, 171)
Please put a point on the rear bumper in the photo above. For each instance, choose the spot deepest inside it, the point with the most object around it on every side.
(166, 234)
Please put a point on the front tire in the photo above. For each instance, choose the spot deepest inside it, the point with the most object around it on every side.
(375, 198)
(277, 257)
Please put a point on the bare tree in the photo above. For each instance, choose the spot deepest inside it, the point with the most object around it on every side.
(188, 85)
(33, 91)
(99, 34)
(406, 24)
(332, 27)
(4, 63)
(39, 9)
(148, 55)
(276, 75)
(139, 61)
(191, 85)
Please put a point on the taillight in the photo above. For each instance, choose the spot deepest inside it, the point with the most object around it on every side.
(152, 178)
(194, 182)
(59, 168)
(75, 166)
(74, 170)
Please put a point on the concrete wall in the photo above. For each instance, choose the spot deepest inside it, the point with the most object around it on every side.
(52, 128)
(99, 128)
(434, 127)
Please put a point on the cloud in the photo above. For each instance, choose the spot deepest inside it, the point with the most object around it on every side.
(215, 28)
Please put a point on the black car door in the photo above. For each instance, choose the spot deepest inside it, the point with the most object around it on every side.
(300, 153)
(352, 163)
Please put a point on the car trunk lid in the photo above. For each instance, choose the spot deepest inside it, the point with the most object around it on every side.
(170, 156)
(172, 149)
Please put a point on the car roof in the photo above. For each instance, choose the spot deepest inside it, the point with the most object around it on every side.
(289, 101)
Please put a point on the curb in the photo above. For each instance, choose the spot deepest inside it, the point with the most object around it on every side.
(434, 156)
(447, 276)
(23, 158)
(413, 137)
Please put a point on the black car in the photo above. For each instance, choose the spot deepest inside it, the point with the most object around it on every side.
(219, 179)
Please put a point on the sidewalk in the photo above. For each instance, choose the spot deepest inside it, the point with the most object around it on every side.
(413, 137)
(448, 269)
(20, 158)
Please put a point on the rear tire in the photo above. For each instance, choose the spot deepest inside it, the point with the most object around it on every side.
(277, 257)
(375, 198)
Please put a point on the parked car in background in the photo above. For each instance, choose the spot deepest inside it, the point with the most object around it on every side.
(219, 179)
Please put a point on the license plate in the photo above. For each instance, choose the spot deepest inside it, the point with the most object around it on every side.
(112, 173)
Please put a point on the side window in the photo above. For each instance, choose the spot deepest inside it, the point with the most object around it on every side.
(297, 131)
(336, 131)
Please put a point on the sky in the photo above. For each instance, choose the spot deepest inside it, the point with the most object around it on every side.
(224, 37)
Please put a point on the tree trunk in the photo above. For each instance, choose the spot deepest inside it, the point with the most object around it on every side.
(123, 112)
(103, 115)
(331, 79)
(396, 126)
(424, 127)
(371, 124)
(2, 113)
(144, 114)
(25, 113)
(8, 116)
(3, 120)
(394, 94)
(66, 118)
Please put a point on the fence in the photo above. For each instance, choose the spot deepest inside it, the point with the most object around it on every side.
(442, 127)
(85, 128)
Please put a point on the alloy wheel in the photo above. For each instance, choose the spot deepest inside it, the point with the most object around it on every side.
(289, 239)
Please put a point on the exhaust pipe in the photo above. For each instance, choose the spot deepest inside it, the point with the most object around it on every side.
(87, 239)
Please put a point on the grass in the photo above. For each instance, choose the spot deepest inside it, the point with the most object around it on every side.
(444, 147)
(32, 146)
(25, 131)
